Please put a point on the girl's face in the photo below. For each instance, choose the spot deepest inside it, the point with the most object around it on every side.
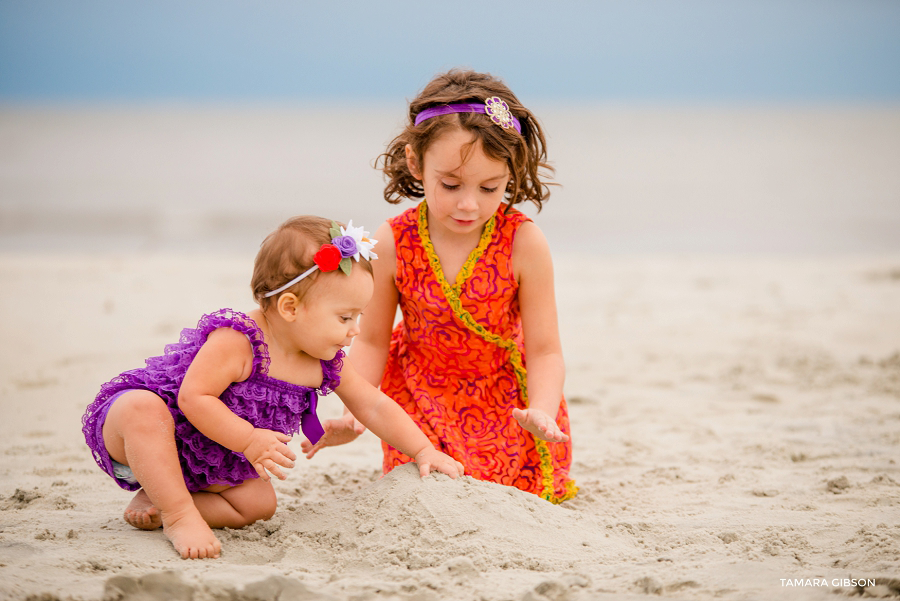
(463, 186)
(328, 318)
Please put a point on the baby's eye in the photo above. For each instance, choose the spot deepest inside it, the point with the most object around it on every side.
(449, 186)
(346, 318)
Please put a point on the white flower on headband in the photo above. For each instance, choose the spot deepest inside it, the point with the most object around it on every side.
(364, 245)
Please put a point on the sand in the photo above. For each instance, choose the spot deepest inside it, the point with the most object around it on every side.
(736, 423)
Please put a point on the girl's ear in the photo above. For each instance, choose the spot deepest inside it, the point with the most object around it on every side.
(287, 306)
(412, 163)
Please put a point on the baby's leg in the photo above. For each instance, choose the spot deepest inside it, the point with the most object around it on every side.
(233, 507)
(142, 513)
(238, 506)
(139, 432)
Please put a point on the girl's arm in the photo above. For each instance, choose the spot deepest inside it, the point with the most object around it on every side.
(370, 348)
(389, 422)
(533, 268)
(224, 358)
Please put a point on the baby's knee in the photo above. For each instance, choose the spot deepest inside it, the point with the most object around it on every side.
(267, 510)
(250, 514)
(138, 411)
(267, 504)
(256, 502)
(145, 404)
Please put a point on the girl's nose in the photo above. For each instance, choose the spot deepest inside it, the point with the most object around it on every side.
(467, 203)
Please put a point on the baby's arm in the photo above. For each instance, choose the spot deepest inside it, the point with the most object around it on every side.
(390, 423)
(533, 265)
(370, 348)
(224, 358)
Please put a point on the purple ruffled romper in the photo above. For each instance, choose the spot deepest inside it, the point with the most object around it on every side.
(262, 400)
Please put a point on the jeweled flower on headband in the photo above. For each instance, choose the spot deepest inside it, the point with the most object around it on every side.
(498, 111)
(346, 244)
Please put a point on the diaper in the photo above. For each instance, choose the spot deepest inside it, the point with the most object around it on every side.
(123, 472)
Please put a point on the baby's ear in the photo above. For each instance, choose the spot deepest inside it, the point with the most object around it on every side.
(412, 163)
(287, 305)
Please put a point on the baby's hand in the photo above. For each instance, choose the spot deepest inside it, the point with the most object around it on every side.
(540, 424)
(430, 459)
(337, 431)
(266, 450)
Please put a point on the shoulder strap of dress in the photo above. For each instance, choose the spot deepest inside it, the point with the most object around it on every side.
(512, 216)
(331, 374)
(405, 221)
(508, 222)
(229, 318)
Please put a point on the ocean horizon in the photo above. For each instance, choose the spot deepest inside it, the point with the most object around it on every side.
(640, 179)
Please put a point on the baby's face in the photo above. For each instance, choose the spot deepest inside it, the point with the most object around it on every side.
(328, 318)
(464, 186)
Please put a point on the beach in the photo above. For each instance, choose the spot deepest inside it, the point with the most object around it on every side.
(728, 286)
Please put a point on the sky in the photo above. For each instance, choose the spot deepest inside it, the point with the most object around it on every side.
(606, 51)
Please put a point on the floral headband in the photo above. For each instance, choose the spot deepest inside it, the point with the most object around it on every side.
(493, 107)
(346, 243)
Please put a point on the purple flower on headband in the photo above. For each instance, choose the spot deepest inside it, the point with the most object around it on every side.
(346, 244)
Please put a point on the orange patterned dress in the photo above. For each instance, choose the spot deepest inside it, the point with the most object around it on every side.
(457, 365)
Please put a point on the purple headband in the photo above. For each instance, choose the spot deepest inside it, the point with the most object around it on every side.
(493, 107)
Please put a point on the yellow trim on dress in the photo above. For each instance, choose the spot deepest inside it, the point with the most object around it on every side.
(515, 355)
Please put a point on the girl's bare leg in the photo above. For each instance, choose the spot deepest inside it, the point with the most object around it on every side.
(139, 432)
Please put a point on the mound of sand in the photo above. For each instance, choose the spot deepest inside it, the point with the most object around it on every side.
(415, 523)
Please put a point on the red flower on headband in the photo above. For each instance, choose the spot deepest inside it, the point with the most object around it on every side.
(328, 258)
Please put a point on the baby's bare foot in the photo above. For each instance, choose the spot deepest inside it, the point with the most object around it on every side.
(142, 513)
(191, 535)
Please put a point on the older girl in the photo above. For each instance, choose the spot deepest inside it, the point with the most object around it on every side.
(474, 280)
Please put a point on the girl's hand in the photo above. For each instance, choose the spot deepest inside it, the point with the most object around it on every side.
(430, 459)
(540, 424)
(337, 431)
(266, 450)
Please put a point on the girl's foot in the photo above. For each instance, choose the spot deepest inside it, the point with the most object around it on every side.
(191, 536)
(142, 513)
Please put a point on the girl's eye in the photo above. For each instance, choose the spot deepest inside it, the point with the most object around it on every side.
(449, 186)
(489, 190)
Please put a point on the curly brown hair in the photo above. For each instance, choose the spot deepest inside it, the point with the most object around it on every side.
(287, 252)
(525, 154)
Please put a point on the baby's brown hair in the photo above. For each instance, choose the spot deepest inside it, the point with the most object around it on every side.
(524, 154)
(287, 252)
